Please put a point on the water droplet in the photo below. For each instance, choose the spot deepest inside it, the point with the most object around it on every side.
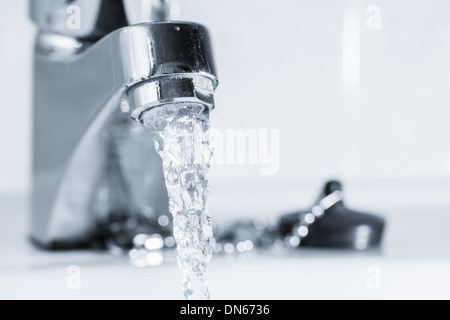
(154, 242)
(169, 242)
(139, 240)
(163, 221)
(317, 211)
(310, 218)
(154, 258)
(294, 241)
(302, 231)
(228, 248)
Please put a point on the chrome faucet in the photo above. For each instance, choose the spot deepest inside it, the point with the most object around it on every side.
(94, 70)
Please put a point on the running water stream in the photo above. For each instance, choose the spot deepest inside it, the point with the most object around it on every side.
(181, 136)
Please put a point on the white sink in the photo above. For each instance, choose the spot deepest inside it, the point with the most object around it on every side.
(414, 263)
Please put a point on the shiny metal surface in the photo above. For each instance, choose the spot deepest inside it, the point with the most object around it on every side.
(91, 162)
(160, 91)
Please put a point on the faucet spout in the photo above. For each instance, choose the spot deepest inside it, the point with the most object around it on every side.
(85, 168)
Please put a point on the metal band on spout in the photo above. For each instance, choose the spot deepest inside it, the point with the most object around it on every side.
(170, 89)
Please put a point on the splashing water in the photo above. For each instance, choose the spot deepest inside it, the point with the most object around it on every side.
(181, 134)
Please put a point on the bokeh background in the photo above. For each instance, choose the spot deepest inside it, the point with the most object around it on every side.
(384, 131)
(369, 106)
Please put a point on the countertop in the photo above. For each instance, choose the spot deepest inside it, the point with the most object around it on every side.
(414, 263)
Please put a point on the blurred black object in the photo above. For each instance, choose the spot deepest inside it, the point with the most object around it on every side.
(330, 224)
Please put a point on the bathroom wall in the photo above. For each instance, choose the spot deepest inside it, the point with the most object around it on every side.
(16, 42)
(355, 90)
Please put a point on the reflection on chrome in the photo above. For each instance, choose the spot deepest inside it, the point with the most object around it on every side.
(237, 239)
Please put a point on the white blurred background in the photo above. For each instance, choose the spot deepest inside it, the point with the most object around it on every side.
(370, 107)
(362, 100)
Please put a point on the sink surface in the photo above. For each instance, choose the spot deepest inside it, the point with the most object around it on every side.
(413, 264)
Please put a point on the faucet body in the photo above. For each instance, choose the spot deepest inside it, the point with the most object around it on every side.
(93, 165)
